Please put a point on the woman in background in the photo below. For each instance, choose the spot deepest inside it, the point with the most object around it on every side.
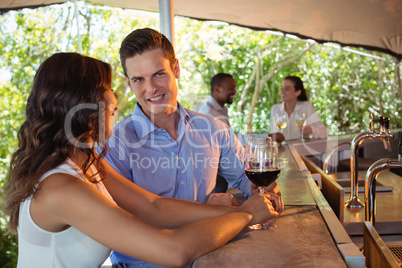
(294, 100)
(71, 208)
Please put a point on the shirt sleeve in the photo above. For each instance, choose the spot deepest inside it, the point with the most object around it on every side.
(274, 128)
(317, 126)
(231, 165)
(242, 138)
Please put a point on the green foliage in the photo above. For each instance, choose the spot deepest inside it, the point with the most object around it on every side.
(344, 85)
(8, 248)
(340, 84)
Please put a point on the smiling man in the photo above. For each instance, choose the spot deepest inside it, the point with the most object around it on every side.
(152, 78)
(165, 148)
(223, 91)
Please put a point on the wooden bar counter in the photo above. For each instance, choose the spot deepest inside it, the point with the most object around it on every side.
(300, 239)
(303, 236)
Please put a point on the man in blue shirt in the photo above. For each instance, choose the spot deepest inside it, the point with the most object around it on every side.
(165, 148)
(223, 91)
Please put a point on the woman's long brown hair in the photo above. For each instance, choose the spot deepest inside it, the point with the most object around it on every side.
(61, 116)
(298, 86)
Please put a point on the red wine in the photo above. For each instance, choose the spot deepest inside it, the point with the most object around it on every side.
(262, 177)
(255, 164)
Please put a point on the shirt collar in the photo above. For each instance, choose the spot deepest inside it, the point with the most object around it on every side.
(297, 107)
(216, 105)
(143, 126)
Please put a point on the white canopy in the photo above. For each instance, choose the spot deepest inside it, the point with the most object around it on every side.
(372, 24)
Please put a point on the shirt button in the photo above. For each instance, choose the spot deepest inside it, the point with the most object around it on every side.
(182, 182)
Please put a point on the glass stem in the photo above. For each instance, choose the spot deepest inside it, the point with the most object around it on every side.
(261, 190)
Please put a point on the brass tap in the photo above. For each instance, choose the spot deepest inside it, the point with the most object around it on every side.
(384, 135)
(370, 182)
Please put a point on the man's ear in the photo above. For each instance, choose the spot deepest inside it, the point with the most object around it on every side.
(176, 69)
(128, 83)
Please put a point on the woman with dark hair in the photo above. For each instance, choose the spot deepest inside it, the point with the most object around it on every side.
(70, 207)
(294, 102)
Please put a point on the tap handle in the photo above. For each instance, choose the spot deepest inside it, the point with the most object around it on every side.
(381, 121)
(368, 121)
(386, 123)
(371, 122)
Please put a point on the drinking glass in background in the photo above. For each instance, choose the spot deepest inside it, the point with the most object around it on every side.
(281, 120)
(261, 165)
(301, 119)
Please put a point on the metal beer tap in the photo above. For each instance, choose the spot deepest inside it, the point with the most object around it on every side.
(384, 135)
(371, 178)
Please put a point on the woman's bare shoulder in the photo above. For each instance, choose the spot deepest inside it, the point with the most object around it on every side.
(54, 196)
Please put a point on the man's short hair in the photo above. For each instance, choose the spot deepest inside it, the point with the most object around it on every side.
(218, 79)
(143, 40)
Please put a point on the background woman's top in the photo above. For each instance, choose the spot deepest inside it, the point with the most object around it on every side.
(68, 248)
(292, 131)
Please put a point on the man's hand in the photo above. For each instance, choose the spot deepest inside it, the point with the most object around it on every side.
(223, 199)
(272, 188)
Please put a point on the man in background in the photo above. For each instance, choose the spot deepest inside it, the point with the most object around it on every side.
(223, 91)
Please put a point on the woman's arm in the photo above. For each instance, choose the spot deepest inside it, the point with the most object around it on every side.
(64, 201)
(160, 211)
(314, 124)
(275, 134)
(274, 128)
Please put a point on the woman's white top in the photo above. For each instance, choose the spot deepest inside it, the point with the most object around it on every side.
(292, 131)
(68, 248)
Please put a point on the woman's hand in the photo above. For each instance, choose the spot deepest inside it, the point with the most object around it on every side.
(277, 202)
(278, 137)
(261, 208)
(307, 130)
(275, 194)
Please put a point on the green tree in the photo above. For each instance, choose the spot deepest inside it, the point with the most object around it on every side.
(26, 40)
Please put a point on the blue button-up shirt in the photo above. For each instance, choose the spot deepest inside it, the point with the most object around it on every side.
(186, 168)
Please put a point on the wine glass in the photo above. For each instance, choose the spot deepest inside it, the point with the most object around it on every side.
(261, 165)
(281, 120)
(301, 119)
